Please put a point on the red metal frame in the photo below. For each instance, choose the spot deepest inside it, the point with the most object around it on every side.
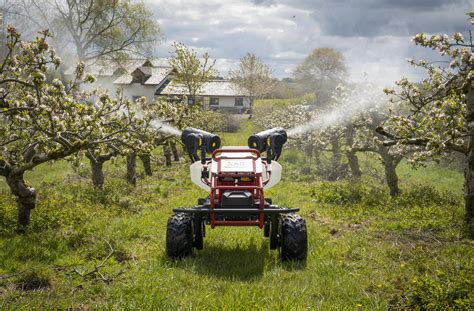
(218, 187)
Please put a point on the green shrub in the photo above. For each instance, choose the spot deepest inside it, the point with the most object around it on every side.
(8, 214)
(291, 156)
(423, 195)
(232, 123)
(211, 121)
(349, 192)
(67, 206)
(442, 290)
(346, 192)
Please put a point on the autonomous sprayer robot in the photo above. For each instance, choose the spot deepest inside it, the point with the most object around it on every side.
(236, 178)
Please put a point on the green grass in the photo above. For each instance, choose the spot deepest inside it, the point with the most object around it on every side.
(240, 138)
(280, 103)
(442, 178)
(366, 250)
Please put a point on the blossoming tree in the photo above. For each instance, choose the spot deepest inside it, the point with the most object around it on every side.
(441, 117)
(43, 121)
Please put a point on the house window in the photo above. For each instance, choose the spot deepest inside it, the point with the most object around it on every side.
(214, 101)
(239, 102)
(190, 101)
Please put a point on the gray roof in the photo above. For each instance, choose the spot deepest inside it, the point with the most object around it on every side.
(109, 68)
(158, 74)
(210, 88)
(126, 78)
(146, 70)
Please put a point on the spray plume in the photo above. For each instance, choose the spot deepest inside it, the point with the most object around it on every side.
(349, 106)
(165, 128)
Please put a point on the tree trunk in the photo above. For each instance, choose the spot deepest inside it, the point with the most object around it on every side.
(251, 107)
(390, 164)
(174, 150)
(97, 172)
(469, 173)
(391, 177)
(336, 158)
(132, 169)
(351, 155)
(167, 154)
(317, 158)
(146, 160)
(309, 151)
(97, 163)
(25, 197)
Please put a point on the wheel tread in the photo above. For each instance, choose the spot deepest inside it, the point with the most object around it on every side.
(179, 235)
(294, 237)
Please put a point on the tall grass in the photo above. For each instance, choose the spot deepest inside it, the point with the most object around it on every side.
(366, 250)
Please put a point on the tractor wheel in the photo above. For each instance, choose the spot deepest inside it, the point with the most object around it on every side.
(179, 235)
(293, 237)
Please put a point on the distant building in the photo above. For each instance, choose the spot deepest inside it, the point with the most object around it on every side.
(136, 78)
(143, 81)
(152, 78)
(215, 94)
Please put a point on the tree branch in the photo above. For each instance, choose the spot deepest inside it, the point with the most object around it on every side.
(97, 267)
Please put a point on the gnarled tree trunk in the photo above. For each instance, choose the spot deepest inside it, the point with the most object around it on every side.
(317, 159)
(469, 173)
(132, 169)
(25, 197)
(390, 163)
(97, 173)
(146, 160)
(167, 154)
(336, 158)
(351, 154)
(174, 150)
(96, 162)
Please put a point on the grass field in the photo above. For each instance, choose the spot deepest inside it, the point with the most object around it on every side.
(366, 250)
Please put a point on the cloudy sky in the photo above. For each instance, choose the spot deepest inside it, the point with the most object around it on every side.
(373, 35)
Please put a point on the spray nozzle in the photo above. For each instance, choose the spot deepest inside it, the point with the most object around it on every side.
(269, 140)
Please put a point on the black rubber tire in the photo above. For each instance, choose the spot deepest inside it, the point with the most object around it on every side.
(293, 237)
(179, 235)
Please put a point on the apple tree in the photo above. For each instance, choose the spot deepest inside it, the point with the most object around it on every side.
(43, 121)
(441, 109)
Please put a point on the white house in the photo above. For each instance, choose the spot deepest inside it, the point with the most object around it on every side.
(216, 94)
(136, 78)
(152, 78)
(143, 81)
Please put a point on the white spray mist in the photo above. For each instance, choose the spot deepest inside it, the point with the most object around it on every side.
(165, 128)
(362, 99)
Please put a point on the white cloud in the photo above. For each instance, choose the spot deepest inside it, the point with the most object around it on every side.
(373, 36)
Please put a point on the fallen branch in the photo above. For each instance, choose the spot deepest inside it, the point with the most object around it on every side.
(97, 267)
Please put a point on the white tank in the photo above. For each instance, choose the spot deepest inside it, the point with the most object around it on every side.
(235, 163)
